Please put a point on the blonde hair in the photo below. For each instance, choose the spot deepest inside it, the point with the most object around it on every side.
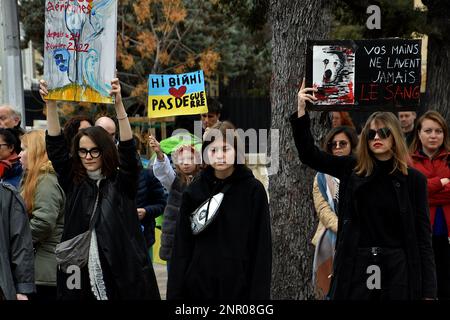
(37, 164)
(436, 117)
(366, 159)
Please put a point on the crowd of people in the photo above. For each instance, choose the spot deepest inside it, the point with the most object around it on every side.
(79, 200)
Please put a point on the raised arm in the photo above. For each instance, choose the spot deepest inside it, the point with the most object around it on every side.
(125, 132)
(310, 154)
(57, 148)
(162, 169)
(53, 126)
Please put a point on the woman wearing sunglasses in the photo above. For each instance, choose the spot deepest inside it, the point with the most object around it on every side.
(100, 182)
(431, 155)
(340, 141)
(383, 249)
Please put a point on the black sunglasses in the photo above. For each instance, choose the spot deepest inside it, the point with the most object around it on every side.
(335, 144)
(383, 133)
(94, 152)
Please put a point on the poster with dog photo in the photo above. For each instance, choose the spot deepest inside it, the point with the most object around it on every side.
(333, 74)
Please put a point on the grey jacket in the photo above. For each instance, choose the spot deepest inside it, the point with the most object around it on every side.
(16, 248)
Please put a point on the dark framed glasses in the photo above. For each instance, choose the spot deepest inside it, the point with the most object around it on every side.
(335, 144)
(383, 133)
(94, 152)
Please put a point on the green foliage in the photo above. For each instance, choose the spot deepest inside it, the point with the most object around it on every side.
(31, 15)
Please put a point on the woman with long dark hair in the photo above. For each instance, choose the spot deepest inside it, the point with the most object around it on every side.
(340, 141)
(100, 182)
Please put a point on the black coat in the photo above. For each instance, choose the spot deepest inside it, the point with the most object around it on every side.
(170, 219)
(232, 257)
(152, 197)
(16, 246)
(122, 249)
(411, 194)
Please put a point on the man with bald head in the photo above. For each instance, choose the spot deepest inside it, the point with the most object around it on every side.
(109, 125)
(9, 118)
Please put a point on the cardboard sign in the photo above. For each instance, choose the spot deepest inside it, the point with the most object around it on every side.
(368, 75)
(176, 94)
(80, 49)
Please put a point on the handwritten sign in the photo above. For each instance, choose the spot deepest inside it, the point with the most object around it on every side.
(370, 75)
(176, 94)
(79, 49)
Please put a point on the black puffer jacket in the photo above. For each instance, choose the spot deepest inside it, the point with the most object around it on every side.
(152, 198)
(411, 194)
(123, 253)
(170, 219)
(232, 257)
(16, 247)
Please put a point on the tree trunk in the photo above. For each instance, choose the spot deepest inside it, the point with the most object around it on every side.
(293, 216)
(438, 66)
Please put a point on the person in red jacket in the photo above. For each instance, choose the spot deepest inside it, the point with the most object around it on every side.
(430, 155)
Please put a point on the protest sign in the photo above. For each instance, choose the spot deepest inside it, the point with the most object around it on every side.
(80, 49)
(369, 75)
(176, 94)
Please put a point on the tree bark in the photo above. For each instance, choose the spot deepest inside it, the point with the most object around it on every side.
(292, 213)
(437, 95)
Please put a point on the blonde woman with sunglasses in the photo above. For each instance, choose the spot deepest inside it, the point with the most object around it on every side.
(383, 249)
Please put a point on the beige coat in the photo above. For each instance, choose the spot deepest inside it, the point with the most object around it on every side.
(327, 218)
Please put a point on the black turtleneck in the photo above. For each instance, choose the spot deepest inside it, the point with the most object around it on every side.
(378, 209)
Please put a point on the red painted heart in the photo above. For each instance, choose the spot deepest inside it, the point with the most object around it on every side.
(178, 93)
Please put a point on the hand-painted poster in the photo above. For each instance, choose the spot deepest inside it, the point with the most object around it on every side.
(176, 94)
(80, 49)
(369, 75)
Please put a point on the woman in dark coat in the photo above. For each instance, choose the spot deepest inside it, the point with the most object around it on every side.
(16, 247)
(102, 180)
(384, 247)
(232, 257)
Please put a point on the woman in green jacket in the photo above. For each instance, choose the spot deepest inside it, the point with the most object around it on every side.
(44, 200)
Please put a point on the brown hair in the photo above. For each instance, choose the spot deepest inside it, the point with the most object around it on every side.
(436, 117)
(366, 158)
(349, 132)
(109, 154)
(72, 125)
(346, 120)
(37, 164)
